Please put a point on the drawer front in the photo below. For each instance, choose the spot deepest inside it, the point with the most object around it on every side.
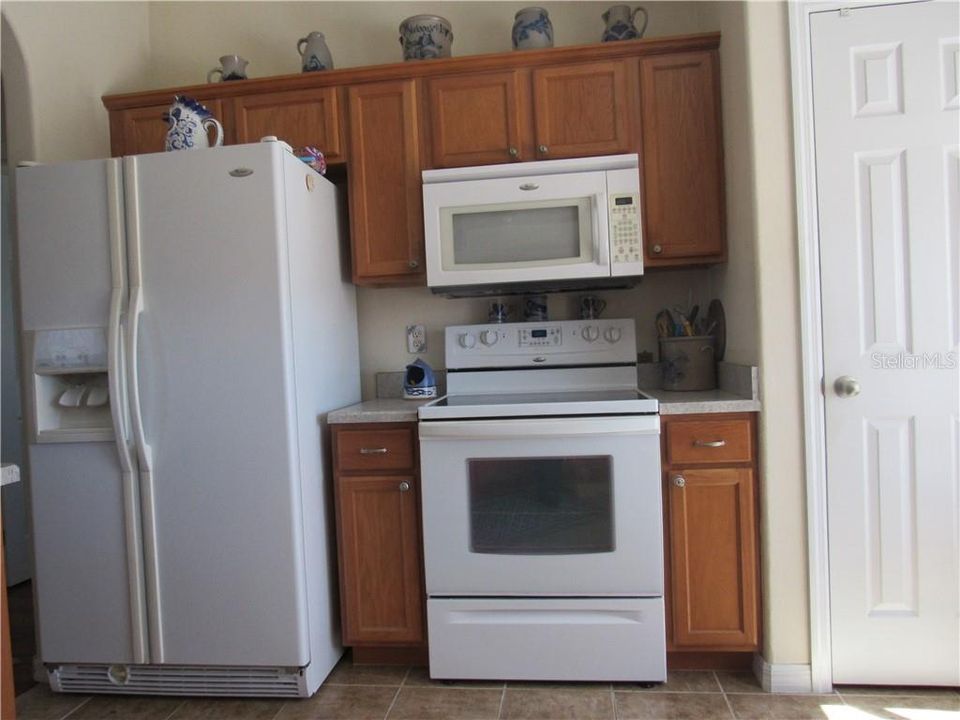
(375, 449)
(709, 441)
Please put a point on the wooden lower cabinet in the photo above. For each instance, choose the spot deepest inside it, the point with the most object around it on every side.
(378, 535)
(711, 533)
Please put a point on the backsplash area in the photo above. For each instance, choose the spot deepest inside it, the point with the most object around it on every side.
(385, 313)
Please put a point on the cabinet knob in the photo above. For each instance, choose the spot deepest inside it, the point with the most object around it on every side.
(404, 486)
(657, 249)
(679, 480)
(513, 152)
(543, 149)
(413, 264)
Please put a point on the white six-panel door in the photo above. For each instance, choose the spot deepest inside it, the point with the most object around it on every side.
(885, 84)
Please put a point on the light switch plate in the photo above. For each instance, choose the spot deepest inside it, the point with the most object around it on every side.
(416, 339)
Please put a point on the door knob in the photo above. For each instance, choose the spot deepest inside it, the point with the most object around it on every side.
(846, 386)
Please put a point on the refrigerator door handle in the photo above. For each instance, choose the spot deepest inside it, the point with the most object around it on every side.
(144, 453)
(119, 411)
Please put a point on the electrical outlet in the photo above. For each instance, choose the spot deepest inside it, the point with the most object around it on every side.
(416, 339)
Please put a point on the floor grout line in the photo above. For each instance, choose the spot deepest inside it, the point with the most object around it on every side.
(175, 709)
(397, 693)
(503, 696)
(724, 693)
(72, 710)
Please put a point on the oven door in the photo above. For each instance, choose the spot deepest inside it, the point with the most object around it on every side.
(551, 506)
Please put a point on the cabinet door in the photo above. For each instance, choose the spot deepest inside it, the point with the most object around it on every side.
(475, 119)
(682, 158)
(581, 110)
(380, 580)
(386, 205)
(713, 558)
(300, 117)
(141, 130)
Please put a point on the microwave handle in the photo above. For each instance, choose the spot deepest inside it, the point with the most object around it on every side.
(601, 250)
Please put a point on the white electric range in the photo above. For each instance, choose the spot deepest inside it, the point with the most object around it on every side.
(541, 494)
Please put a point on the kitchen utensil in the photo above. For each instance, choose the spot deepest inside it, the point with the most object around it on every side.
(620, 23)
(425, 36)
(189, 122)
(532, 29)
(232, 67)
(716, 316)
(419, 381)
(535, 308)
(314, 53)
(591, 307)
(499, 312)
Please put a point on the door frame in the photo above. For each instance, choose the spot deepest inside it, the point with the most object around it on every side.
(811, 328)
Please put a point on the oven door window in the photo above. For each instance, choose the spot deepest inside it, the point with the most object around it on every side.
(541, 506)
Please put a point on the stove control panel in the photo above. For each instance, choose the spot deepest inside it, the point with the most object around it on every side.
(541, 344)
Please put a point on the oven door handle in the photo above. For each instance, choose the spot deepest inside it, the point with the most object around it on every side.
(540, 428)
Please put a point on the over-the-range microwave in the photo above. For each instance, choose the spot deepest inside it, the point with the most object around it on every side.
(552, 224)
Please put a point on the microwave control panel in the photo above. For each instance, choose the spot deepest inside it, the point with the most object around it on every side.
(625, 228)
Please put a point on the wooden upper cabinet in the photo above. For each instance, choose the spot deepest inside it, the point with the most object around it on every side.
(386, 206)
(713, 571)
(581, 110)
(476, 119)
(141, 130)
(299, 117)
(682, 159)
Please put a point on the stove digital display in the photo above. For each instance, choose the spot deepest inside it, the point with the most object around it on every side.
(538, 333)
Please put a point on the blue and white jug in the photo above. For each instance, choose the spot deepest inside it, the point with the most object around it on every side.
(532, 29)
(621, 25)
(314, 53)
(189, 122)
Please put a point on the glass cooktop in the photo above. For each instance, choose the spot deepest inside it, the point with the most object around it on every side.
(540, 404)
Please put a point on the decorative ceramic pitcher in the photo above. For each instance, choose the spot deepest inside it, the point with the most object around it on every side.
(232, 67)
(314, 53)
(620, 23)
(532, 29)
(189, 121)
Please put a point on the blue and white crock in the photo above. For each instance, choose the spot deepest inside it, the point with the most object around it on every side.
(314, 53)
(425, 36)
(532, 29)
(189, 121)
(620, 23)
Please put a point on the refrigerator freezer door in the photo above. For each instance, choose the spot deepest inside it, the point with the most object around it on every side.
(83, 603)
(214, 371)
(63, 226)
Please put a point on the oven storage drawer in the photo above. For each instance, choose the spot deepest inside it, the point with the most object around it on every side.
(584, 639)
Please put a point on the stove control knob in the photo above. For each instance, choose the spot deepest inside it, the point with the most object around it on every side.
(467, 340)
(612, 334)
(489, 337)
(590, 333)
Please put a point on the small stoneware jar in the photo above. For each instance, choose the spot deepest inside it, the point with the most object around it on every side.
(425, 36)
(532, 29)
(232, 67)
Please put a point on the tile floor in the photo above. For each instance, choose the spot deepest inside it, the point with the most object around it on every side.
(366, 692)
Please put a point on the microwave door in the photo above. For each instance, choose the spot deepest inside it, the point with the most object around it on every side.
(524, 229)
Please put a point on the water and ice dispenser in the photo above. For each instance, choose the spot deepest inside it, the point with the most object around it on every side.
(70, 398)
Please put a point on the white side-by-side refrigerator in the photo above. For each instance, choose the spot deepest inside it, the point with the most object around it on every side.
(187, 325)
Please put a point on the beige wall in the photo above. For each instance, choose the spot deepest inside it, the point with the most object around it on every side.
(115, 47)
(73, 53)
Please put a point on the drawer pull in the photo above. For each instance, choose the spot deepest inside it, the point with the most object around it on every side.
(710, 443)
(373, 451)
(404, 486)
